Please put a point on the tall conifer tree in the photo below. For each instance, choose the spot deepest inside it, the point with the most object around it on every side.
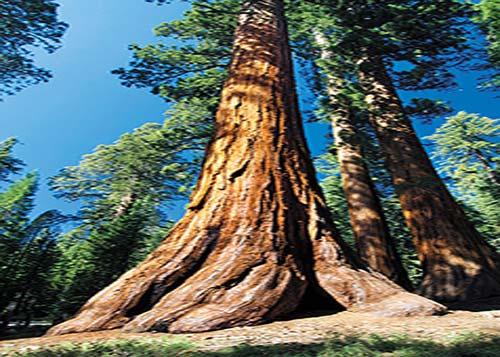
(257, 233)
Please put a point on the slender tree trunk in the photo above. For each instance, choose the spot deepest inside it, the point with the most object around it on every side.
(256, 234)
(374, 242)
(457, 263)
(492, 175)
(126, 202)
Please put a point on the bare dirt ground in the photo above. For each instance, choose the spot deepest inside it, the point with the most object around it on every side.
(304, 330)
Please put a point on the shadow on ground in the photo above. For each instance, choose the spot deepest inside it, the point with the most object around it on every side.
(489, 304)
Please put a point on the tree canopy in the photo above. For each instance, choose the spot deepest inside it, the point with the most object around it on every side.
(489, 20)
(24, 25)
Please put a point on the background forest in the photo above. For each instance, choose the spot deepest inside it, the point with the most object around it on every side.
(127, 193)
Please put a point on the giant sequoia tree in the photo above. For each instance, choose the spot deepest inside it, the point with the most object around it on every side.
(374, 242)
(457, 263)
(257, 233)
(428, 39)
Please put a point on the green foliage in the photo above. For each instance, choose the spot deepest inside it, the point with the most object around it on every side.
(124, 188)
(331, 184)
(401, 234)
(467, 150)
(465, 144)
(489, 20)
(8, 164)
(197, 68)
(27, 251)
(426, 109)
(426, 36)
(145, 163)
(354, 345)
(16, 204)
(91, 261)
(24, 25)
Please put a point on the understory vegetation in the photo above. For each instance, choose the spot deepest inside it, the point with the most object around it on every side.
(422, 211)
(469, 345)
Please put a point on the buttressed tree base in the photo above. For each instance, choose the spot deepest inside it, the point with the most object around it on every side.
(257, 233)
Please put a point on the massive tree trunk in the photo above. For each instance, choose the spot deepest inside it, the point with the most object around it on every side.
(374, 243)
(457, 262)
(256, 234)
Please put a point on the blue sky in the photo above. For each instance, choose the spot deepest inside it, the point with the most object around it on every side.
(84, 104)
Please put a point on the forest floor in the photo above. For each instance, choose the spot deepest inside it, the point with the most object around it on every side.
(303, 330)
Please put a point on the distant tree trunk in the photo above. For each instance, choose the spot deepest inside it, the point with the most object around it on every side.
(374, 242)
(256, 233)
(457, 262)
(126, 202)
(492, 174)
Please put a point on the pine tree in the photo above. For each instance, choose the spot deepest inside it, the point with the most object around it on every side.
(27, 250)
(144, 163)
(123, 188)
(489, 20)
(32, 292)
(26, 24)
(8, 164)
(15, 205)
(468, 153)
(466, 143)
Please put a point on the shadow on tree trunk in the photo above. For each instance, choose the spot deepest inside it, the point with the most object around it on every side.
(257, 233)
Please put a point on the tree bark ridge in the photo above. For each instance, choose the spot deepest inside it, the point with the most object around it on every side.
(458, 264)
(374, 243)
(242, 254)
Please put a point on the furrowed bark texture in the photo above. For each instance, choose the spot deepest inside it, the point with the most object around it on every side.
(256, 227)
(458, 264)
(374, 243)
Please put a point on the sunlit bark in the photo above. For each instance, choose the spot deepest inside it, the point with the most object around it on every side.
(256, 234)
(457, 263)
(374, 243)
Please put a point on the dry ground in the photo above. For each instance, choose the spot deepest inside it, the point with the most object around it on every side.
(304, 330)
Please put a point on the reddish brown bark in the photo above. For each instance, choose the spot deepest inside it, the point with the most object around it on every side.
(374, 243)
(256, 234)
(457, 262)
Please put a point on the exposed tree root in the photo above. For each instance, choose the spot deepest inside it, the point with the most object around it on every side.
(257, 232)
